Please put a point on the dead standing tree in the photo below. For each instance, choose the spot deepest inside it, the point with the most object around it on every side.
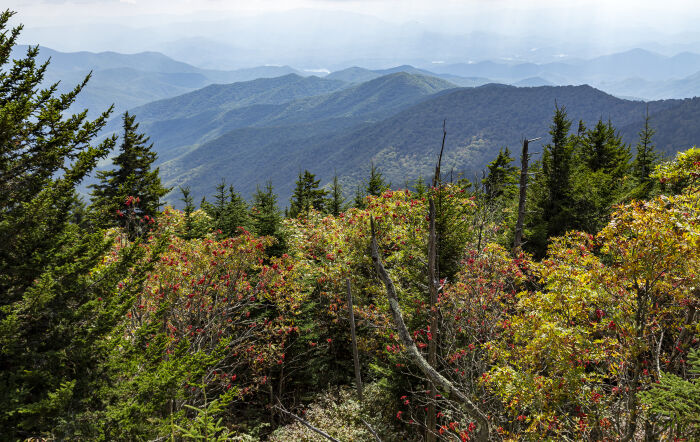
(427, 366)
(523, 193)
(433, 284)
(483, 429)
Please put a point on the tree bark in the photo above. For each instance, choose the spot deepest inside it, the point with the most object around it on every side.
(431, 422)
(355, 355)
(521, 202)
(483, 429)
(307, 425)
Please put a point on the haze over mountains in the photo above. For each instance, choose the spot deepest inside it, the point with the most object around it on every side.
(401, 140)
(249, 132)
(248, 125)
(128, 80)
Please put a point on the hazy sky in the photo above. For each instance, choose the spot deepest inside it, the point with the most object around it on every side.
(667, 14)
(603, 26)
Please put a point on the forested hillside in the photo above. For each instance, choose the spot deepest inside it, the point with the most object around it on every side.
(129, 80)
(559, 302)
(394, 121)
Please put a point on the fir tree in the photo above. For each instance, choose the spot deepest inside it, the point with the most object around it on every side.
(376, 184)
(646, 157)
(307, 195)
(336, 202)
(600, 179)
(677, 400)
(132, 176)
(502, 180)
(420, 188)
(359, 199)
(266, 219)
(57, 301)
(189, 209)
(557, 164)
(602, 149)
(229, 211)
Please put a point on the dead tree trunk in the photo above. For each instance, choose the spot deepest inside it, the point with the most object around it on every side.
(431, 421)
(523, 194)
(433, 332)
(306, 424)
(355, 355)
(483, 430)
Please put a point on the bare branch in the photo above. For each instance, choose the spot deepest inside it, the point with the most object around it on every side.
(436, 378)
(371, 430)
(355, 355)
(306, 424)
(436, 178)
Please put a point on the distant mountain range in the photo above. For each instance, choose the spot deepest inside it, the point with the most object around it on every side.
(248, 125)
(129, 80)
(358, 75)
(249, 132)
(636, 63)
(635, 73)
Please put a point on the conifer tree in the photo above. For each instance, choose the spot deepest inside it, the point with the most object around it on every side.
(601, 177)
(57, 302)
(189, 209)
(557, 164)
(359, 199)
(265, 217)
(502, 180)
(602, 149)
(646, 157)
(376, 184)
(420, 188)
(131, 177)
(229, 211)
(307, 195)
(336, 201)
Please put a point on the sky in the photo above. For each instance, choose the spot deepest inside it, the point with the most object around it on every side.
(584, 27)
(653, 12)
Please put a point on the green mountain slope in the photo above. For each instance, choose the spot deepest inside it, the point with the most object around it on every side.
(479, 122)
(359, 75)
(223, 97)
(177, 124)
(677, 127)
(130, 80)
(181, 123)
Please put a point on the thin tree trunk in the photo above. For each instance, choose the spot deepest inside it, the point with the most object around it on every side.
(431, 421)
(307, 425)
(432, 334)
(355, 355)
(521, 202)
(483, 430)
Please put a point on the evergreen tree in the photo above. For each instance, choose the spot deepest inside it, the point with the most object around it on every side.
(57, 301)
(236, 213)
(646, 157)
(266, 219)
(307, 195)
(336, 202)
(600, 178)
(376, 184)
(359, 199)
(502, 180)
(189, 209)
(229, 211)
(678, 400)
(131, 177)
(420, 188)
(602, 149)
(557, 164)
